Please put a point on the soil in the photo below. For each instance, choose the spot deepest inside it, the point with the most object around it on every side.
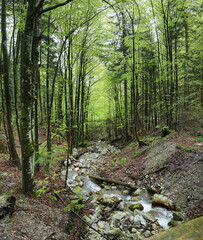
(171, 166)
(38, 217)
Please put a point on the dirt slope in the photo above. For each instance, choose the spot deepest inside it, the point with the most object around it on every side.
(177, 164)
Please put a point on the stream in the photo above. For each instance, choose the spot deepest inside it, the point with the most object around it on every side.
(119, 222)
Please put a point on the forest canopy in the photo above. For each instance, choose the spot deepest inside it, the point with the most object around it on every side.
(89, 69)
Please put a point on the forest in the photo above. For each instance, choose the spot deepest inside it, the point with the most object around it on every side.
(87, 70)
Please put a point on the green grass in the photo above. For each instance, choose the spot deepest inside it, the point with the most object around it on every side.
(119, 161)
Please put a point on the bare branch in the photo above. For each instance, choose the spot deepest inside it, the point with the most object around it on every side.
(54, 7)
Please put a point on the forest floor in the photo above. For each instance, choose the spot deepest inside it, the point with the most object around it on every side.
(171, 166)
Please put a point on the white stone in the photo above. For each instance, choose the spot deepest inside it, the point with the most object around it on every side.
(160, 200)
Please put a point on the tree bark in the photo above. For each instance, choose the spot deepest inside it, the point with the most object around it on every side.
(27, 100)
(113, 181)
(48, 100)
(12, 147)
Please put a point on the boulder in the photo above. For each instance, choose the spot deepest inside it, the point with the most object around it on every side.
(75, 153)
(126, 192)
(136, 206)
(146, 216)
(114, 233)
(139, 191)
(110, 199)
(135, 198)
(186, 231)
(174, 223)
(177, 216)
(117, 216)
(136, 220)
(160, 200)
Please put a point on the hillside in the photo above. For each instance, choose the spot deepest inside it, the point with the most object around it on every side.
(171, 166)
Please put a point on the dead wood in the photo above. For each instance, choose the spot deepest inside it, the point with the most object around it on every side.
(88, 224)
(149, 224)
(113, 181)
(52, 234)
(140, 177)
(73, 212)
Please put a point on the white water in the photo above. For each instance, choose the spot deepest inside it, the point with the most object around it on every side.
(162, 215)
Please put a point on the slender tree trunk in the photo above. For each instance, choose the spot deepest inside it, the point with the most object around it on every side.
(186, 82)
(134, 104)
(36, 81)
(125, 80)
(40, 97)
(16, 49)
(176, 82)
(12, 147)
(48, 98)
(70, 85)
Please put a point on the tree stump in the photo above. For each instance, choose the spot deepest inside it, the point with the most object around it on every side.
(7, 206)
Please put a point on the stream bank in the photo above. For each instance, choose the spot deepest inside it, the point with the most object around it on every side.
(42, 218)
(119, 212)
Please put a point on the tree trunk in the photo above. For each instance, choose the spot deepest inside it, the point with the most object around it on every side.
(186, 82)
(27, 99)
(12, 147)
(124, 34)
(48, 101)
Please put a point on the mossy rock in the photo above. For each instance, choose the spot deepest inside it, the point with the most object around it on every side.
(136, 206)
(192, 230)
(177, 216)
(174, 223)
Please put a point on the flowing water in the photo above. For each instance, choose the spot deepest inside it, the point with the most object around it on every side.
(78, 175)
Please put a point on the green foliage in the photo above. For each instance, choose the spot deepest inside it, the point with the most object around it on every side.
(52, 198)
(139, 153)
(58, 153)
(76, 205)
(41, 191)
(190, 149)
(187, 148)
(44, 188)
(119, 161)
(5, 194)
(4, 174)
(165, 131)
(9, 219)
(199, 139)
(131, 144)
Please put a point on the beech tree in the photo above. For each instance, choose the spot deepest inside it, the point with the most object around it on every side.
(84, 69)
(8, 113)
(34, 10)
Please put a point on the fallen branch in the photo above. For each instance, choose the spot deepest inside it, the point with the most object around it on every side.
(148, 225)
(52, 234)
(73, 212)
(88, 224)
(140, 177)
(113, 181)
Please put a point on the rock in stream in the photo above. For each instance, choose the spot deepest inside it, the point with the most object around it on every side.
(118, 214)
